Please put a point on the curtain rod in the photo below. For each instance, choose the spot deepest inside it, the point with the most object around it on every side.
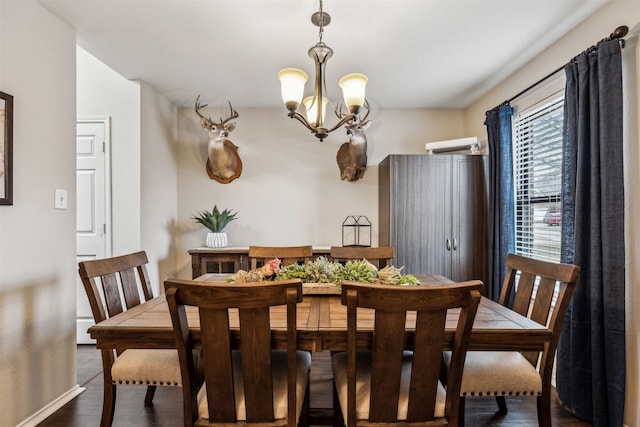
(618, 33)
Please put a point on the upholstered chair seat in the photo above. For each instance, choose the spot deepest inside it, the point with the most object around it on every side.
(516, 376)
(363, 385)
(279, 364)
(147, 367)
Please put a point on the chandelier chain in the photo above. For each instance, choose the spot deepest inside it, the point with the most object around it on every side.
(320, 24)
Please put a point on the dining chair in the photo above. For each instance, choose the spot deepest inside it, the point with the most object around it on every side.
(379, 256)
(287, 254)
(389, 384)
(499, 373)
(113, 286)
(254, 385)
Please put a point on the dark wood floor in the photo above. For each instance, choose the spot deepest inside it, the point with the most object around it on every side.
(84, 410)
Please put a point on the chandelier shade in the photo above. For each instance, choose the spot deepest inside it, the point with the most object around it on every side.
(353, 90)
(312, 109)
(293, 81)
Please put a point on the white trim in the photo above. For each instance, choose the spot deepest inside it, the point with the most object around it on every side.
(52, 407)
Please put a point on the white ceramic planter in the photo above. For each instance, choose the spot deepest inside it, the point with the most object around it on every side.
(217, 240)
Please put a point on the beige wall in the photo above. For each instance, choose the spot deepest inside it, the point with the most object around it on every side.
(158, 184)
(103, 92)
(601, 24)
(290, 192)
(143, 162)
(37, 242)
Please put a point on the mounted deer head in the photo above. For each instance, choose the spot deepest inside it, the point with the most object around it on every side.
(352, 155)
(223, 163)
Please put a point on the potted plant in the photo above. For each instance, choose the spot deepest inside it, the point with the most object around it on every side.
(215, 221)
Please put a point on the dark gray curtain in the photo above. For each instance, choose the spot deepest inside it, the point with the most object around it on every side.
(501, 227)
(591, 352)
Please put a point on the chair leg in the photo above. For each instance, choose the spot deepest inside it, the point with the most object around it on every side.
(304, 415)
(338, 419)
(544, 410)
(461, 411)
(502, 405)
(148, 398)
(108, 403)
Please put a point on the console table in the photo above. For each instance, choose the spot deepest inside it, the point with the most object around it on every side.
(229, 260)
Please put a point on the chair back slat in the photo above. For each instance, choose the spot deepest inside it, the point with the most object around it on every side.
(112, 298)
(216, 355)
(522, 299)
(215, 302)
(255, 336)
(543, 300)
(286, 254)
(386, 365)
(379, 256)
(429, 333)
(130, 287)
(391, 304)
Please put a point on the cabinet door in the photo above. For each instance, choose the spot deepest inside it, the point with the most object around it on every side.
(469, 223)
(420, 206)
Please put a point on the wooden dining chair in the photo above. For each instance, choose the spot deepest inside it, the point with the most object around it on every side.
(287, 254)
(112, 286)
(380, 256)
(254, 385)
(500, 374)
(389, 384)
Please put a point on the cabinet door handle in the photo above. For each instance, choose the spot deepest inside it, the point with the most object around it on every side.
(455, 244)
(448, 244)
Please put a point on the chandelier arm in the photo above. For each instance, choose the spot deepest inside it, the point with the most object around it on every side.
(301, 119)
(342, 121)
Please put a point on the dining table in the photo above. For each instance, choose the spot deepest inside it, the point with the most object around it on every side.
(321, 323)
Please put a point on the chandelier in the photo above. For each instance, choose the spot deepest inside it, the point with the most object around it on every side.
(293, 80)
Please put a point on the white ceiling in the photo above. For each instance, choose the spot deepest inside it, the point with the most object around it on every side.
(416, 53)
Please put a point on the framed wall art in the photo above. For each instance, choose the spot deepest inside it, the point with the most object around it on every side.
(6, 149)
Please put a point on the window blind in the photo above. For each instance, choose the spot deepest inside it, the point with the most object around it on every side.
(538, 177)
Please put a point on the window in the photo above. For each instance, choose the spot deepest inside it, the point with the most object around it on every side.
(537, 139)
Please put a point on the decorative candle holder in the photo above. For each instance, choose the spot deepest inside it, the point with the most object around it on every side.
(356, 231)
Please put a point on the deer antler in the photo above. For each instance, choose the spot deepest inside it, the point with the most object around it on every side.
(366, 105)
(341, 115)
(206, 121)
(338, 111)
(234, 115)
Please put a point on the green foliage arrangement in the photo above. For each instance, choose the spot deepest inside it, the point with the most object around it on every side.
(358, 270)
(322, 270)
(293, 271)
(215, 220)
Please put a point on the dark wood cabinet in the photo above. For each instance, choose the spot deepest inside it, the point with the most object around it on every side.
(432, 210)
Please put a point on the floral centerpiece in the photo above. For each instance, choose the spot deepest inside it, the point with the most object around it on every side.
(321, 270)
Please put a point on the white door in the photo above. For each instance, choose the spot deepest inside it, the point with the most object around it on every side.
(93, 204)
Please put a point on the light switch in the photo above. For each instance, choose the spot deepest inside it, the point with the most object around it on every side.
(60, 199)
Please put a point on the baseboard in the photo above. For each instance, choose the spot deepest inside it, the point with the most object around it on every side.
(52, 407)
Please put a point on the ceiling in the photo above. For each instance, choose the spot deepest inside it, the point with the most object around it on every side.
(416, 53)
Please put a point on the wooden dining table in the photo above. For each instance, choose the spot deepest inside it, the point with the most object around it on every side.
(321, 324)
